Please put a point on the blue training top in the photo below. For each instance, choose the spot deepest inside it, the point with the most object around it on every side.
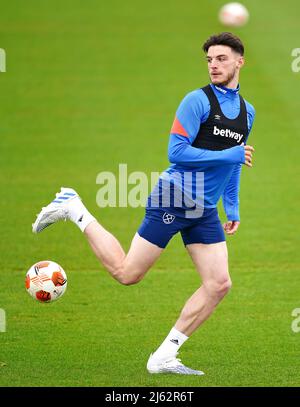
(220, 169)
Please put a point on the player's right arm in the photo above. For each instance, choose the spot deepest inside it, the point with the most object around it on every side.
(191, 113)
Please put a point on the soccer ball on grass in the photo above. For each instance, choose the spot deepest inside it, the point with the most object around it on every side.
(46, 281)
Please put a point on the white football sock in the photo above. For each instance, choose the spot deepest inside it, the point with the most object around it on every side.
(170, 345)
(79, 214)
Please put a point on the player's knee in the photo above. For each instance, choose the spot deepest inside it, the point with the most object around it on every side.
(225, 286)
(126, 275)
(219, 288)
(125, 280)
(129, 279)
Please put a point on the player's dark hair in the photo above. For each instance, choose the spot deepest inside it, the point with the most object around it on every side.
(225, 38)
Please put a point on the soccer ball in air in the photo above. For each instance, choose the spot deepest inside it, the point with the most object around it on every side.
(46, 281)
(233, 15)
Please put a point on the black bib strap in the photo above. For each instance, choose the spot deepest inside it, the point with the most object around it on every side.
(213, 101)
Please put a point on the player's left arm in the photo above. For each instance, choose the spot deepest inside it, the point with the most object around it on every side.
(230, 197)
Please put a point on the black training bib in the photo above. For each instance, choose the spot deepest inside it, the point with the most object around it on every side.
(219, 132)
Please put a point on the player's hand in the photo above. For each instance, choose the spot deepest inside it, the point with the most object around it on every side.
(249, 150)
(231, 226)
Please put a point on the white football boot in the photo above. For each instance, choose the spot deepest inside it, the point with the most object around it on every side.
(58, 209)
(170, 365)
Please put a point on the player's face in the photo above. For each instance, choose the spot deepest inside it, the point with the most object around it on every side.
(224, 65)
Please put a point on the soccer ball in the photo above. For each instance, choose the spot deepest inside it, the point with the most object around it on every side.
(234, 15)
(46, 281)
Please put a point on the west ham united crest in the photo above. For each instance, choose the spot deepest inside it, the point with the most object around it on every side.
(168, 218)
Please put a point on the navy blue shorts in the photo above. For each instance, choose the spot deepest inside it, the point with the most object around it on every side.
(159, 226)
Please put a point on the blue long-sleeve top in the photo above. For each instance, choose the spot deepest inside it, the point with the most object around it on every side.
(221, 168)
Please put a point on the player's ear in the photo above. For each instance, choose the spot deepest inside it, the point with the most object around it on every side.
(241, 61)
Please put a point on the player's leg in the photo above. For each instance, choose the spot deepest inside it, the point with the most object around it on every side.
(205, 242)
(211, 261)
(127, 269)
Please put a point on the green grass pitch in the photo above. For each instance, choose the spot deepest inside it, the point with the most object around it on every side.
(89, 85)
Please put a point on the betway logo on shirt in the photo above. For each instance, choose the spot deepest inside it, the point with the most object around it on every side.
(228, 133)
